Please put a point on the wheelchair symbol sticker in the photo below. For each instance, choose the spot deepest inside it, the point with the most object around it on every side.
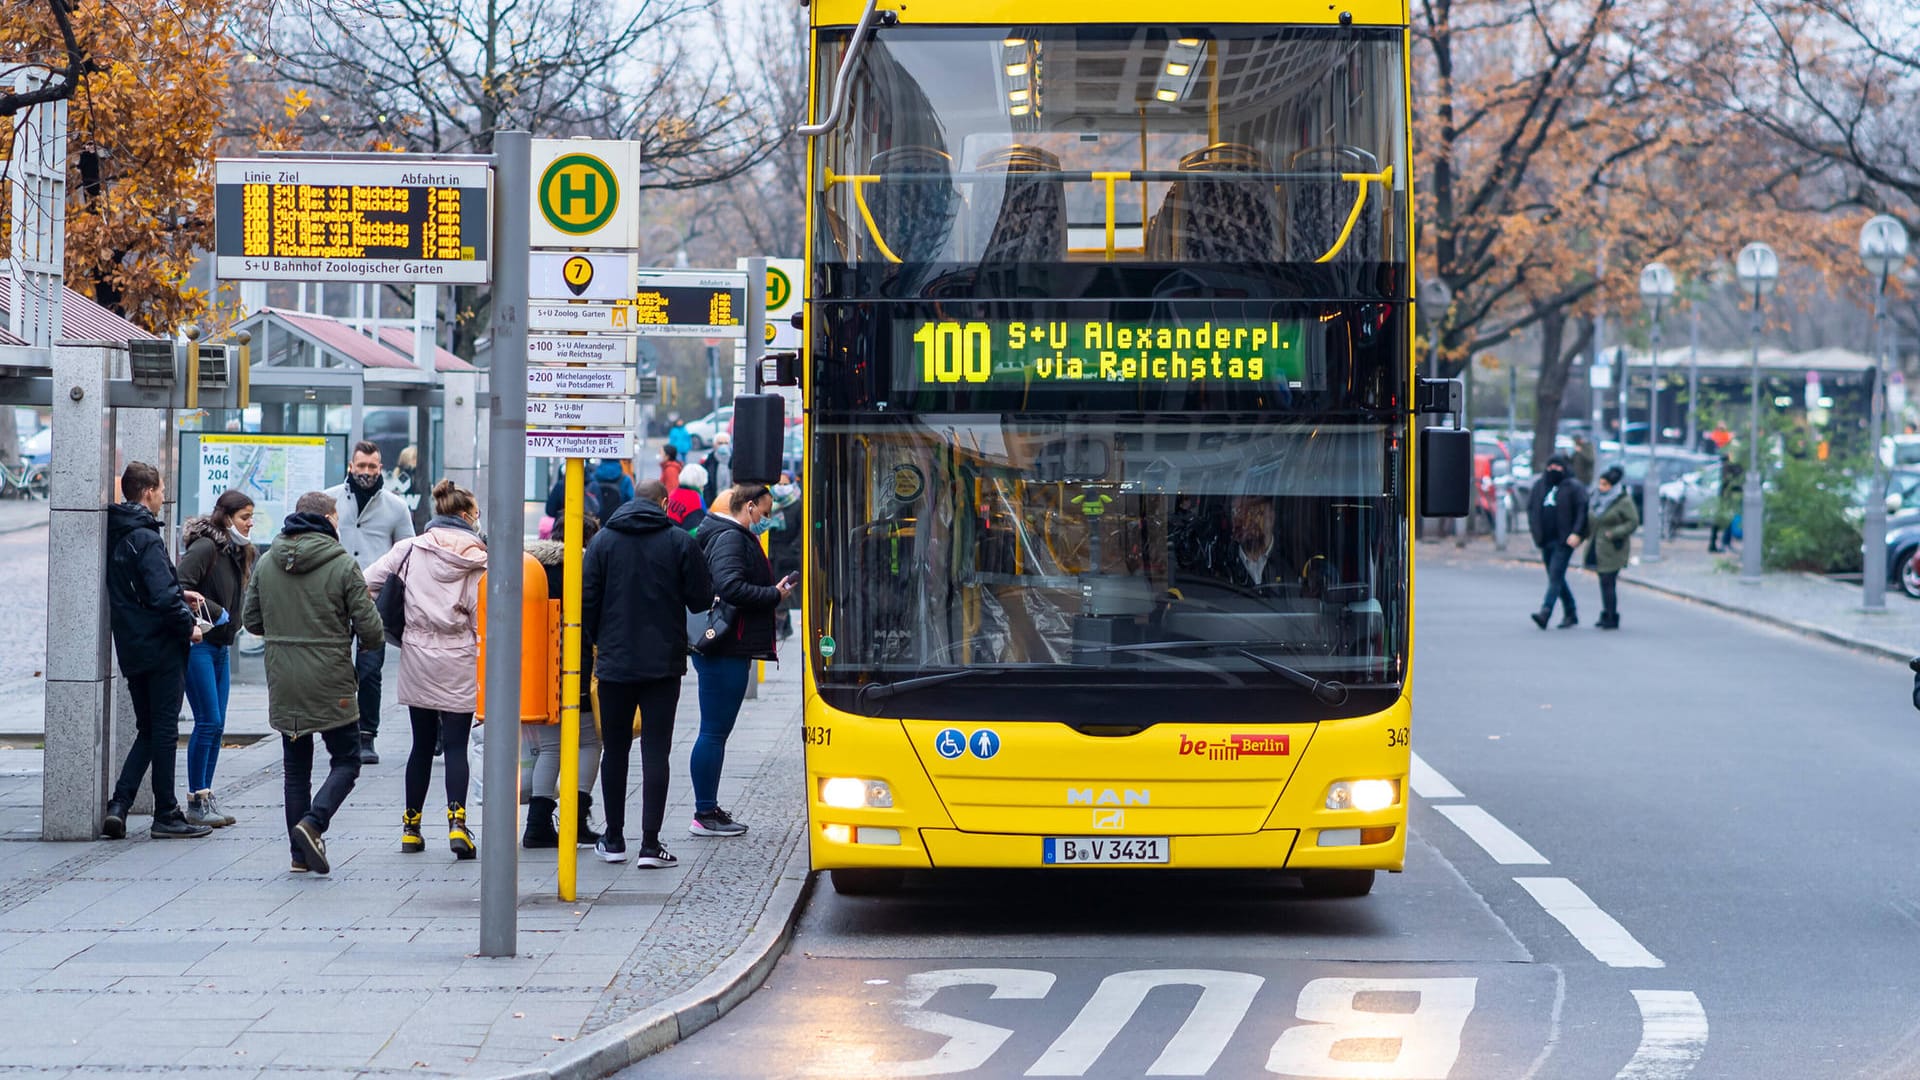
(950, 743)
(985, 743)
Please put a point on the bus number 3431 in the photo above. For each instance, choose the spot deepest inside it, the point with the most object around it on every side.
(950, 352)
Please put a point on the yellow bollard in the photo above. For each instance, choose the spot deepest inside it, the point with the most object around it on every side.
(571, 566)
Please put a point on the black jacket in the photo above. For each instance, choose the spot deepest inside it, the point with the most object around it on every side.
(642, 577)
(216, 567)
(1557, 511)
(151, 624)
(742, 578)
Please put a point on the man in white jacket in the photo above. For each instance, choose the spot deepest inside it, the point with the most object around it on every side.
(371, 522)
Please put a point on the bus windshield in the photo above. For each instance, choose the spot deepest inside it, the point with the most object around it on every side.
(1095, 553)
(1106, 161)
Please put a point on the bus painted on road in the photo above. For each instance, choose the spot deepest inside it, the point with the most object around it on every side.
(1109, 377)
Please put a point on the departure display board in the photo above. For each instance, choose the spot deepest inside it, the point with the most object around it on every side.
(394, 219)
(1098, 353)
(670, 303)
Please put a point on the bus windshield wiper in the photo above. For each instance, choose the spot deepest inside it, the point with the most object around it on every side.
(873, 693)
(1328, 691)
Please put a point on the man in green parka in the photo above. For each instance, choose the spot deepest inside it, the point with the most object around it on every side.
(1613, 517)
(309, 600)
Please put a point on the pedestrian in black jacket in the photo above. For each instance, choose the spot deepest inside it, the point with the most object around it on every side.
(642, 576)
(152, 628)
(742, 580)
(1557, 514)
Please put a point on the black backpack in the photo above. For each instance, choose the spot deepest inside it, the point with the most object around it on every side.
(607, 494)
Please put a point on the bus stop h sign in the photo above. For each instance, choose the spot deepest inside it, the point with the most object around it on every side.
(584, 194)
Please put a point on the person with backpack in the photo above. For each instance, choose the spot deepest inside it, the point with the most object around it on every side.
(438, 573)
(611, 488)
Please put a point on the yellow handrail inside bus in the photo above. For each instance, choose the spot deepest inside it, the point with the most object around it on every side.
(1385, 176)
(859, 182)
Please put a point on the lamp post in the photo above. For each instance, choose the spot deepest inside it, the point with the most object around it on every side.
(1657, 286)
(1758, 269)
(1883, 248)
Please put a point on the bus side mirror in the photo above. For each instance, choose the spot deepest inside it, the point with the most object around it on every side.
(1446, 472)
(759, 429)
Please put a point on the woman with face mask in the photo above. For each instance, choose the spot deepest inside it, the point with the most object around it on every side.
(215, 564)
(742, 579)
(439, 683)
(1614, 518)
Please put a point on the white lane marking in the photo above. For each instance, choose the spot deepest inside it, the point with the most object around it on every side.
(1673, 1035)
(1424, 1043)
(1605, 938)
(1495, 839)
(1225, 997)
(969, 1042)
(1429, 784)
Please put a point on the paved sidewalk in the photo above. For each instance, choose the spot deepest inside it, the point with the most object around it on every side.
(18, 514)
(206, 957)
(1810, 604)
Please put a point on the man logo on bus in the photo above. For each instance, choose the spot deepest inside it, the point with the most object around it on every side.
(1234, 747)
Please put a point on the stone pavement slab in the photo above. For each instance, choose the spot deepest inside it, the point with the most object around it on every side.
(1813, 604)
(207, 956)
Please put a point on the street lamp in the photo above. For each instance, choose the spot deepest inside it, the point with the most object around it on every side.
(1883, 248)
(1657, 286)
(1758, 269)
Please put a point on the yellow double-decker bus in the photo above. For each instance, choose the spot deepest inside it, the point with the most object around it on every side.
(1110, 389)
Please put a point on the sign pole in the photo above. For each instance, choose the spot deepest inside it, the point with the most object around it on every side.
(570, 655)
(506, 497)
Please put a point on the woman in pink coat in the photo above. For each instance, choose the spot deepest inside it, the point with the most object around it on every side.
(440, 570)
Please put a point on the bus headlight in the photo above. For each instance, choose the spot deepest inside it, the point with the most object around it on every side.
(854, 793)
(1362, 795)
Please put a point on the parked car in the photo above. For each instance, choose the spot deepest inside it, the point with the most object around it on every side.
(1903, 552)
(1903, 493)
(701, 432)
(1898, 450)
(1674, 464)
(1683, 501)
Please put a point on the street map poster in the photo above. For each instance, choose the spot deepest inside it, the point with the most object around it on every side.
(275, 470)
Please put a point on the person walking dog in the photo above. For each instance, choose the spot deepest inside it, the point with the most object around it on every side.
(438, 573)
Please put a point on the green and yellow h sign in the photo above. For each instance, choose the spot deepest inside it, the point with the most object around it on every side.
(578, 194)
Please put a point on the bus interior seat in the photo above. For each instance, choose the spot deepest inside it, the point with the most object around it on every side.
(1316, 212)
(1215, 217)
(1032, 223)
(914, 216)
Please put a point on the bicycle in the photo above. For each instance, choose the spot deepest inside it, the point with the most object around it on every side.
(25, 481)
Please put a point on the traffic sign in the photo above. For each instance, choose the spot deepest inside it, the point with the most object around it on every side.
(584, 193)
(395, 218)
(549, 315)
(783, 301)
(565, 275)
(572, 412)
(546, 443)
(601, 349)
(586, 381)
(690, 303)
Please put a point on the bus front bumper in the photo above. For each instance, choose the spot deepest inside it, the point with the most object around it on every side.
(1268, 849)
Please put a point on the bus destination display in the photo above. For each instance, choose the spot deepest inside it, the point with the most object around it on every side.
(1098, 353)
(395, 220)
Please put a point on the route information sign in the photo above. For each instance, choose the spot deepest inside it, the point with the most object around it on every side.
(571, 381)
(580, 349)
(580, 444)
(390, 220)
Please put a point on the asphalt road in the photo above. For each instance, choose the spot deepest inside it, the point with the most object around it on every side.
(1681, 850)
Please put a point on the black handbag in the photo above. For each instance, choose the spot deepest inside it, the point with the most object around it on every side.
(707, 629)
(1914, 664)
(392, 601)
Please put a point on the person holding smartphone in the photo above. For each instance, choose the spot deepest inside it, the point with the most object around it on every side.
(743, 580)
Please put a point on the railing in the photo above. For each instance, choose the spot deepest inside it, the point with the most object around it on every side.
(859, 184)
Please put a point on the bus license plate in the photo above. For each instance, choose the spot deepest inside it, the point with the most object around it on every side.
(1104, 849)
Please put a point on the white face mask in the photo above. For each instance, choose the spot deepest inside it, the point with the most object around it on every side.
(238, 536)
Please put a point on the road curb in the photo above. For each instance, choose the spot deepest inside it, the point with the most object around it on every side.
(620, 1045)
(1804, 629)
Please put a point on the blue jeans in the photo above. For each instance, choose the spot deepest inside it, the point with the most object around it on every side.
(209, 678)
(723, 686)
(1557, 557)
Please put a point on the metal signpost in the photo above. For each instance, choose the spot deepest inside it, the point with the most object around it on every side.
(586, 223)
(1883, 249)
(1657, 286)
